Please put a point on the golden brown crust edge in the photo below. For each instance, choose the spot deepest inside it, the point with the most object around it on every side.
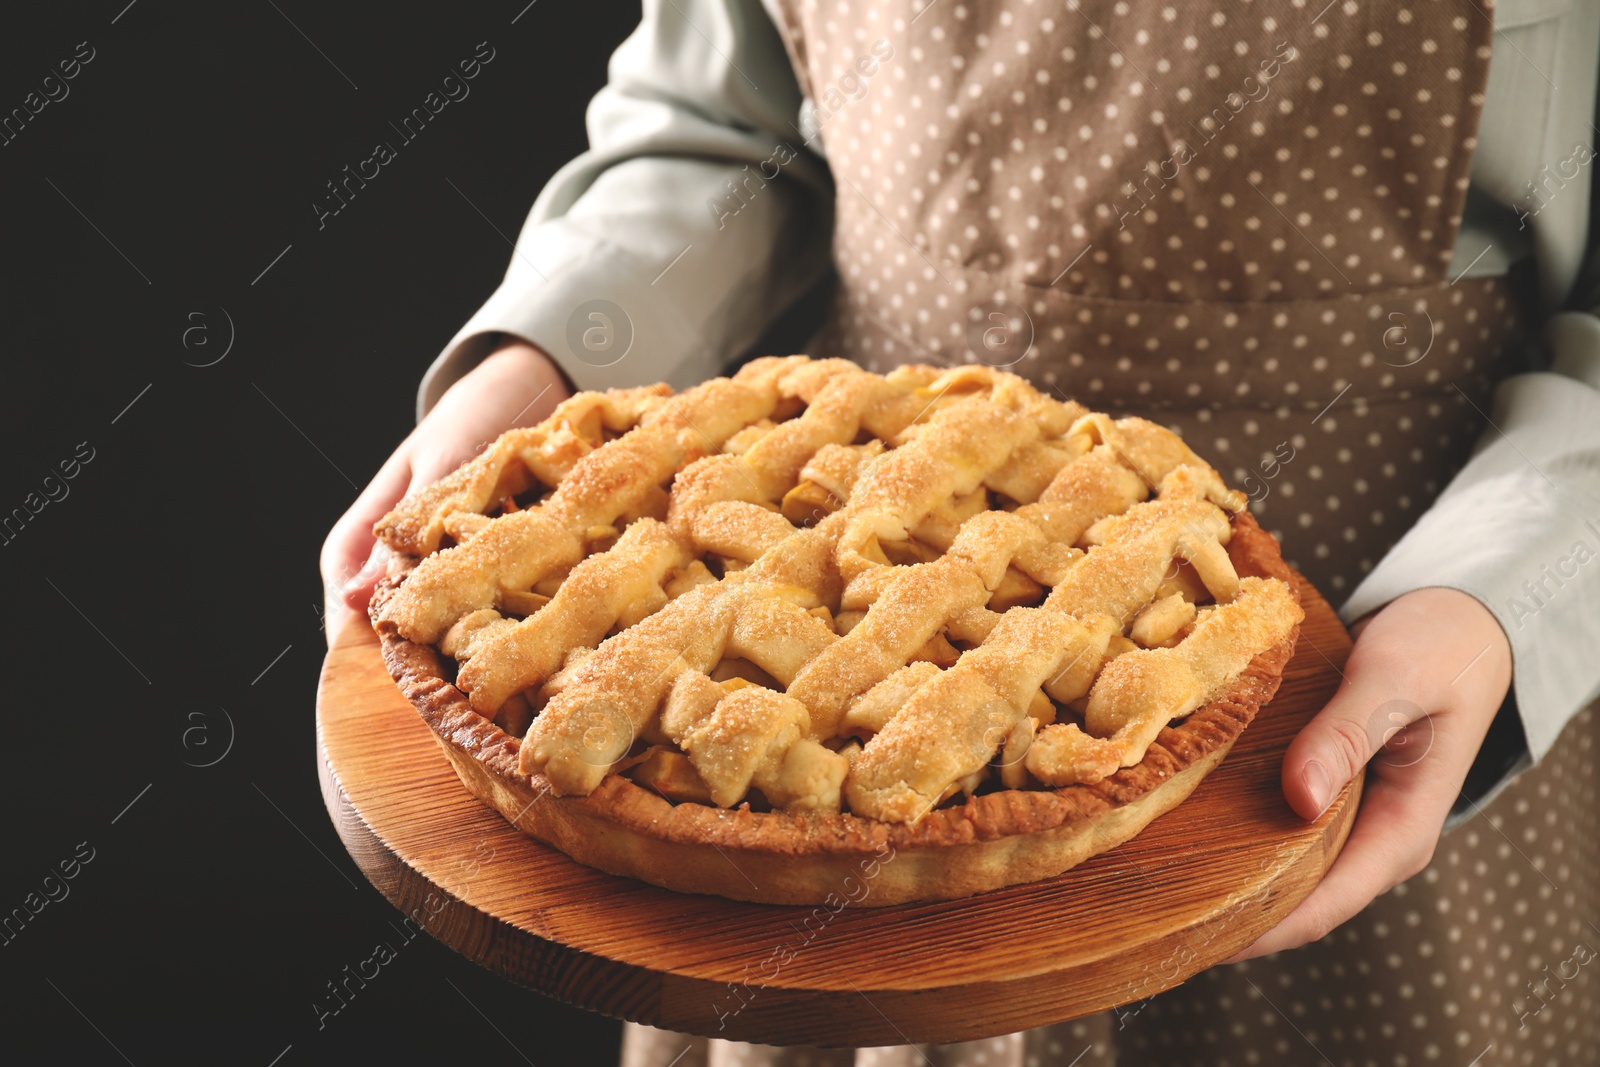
(991, 841)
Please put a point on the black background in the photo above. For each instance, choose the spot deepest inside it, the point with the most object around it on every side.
(174, 591)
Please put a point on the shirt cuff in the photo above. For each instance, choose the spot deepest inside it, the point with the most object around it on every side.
(590, 306)
(642, 282)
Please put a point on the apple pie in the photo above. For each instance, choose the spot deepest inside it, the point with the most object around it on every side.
(929, 633)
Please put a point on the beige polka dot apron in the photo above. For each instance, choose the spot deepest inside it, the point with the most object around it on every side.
(1237, 219)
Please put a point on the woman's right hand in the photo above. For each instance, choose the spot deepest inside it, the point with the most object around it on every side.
(517, 385)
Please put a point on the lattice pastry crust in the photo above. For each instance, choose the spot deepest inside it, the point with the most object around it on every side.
(808, 611)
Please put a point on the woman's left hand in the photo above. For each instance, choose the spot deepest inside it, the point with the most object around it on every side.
(1426, 676)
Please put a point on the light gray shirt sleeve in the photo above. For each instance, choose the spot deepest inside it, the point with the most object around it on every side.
(694, 219)
(1518, 528)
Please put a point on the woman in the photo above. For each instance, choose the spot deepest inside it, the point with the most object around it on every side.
(1329, 246)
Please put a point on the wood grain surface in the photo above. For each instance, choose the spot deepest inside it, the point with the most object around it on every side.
(1197, 885)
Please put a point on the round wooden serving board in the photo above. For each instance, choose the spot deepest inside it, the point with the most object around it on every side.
(1196, 886)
